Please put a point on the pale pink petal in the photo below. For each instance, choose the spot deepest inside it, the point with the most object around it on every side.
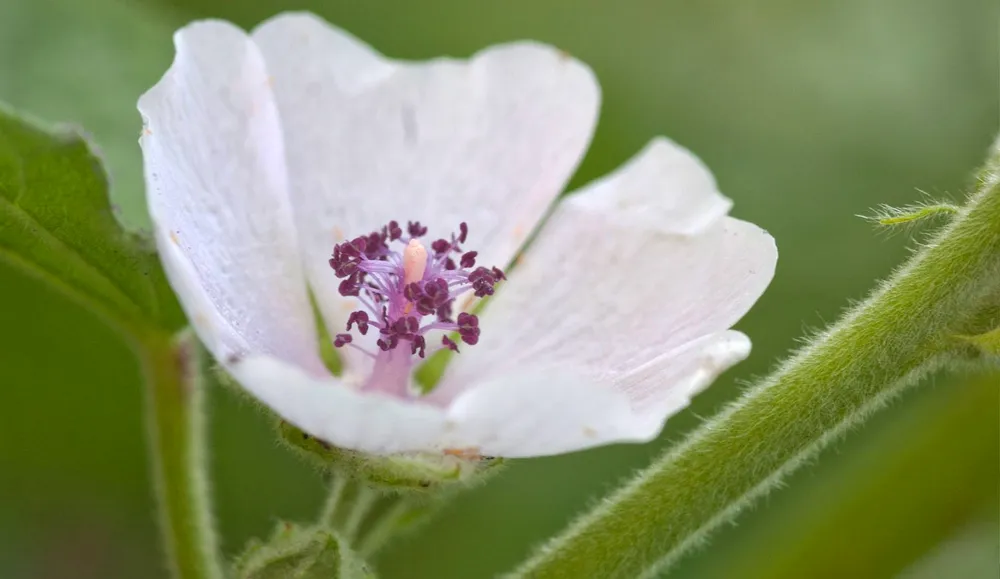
(610, 293)
(536, 415)
(662, 188)
(328, 409)
(539, 412)
(666, 384)
(490, 141)
(217, 190)
(215, 331)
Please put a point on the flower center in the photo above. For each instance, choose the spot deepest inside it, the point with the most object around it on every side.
(409, 292)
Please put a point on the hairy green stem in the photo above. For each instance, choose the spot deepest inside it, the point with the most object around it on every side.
(365, 518)
(331, 508)
(938, 450)
(384, 528)
(363, 502)
(172, 370)
(906, 329)
(347, 505)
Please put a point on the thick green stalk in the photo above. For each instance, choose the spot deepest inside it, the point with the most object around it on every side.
(891, 496)
(172, 370)
(906, 329)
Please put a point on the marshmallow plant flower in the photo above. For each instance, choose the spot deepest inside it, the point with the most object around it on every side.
(295, 166)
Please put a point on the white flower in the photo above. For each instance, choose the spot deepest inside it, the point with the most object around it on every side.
(265, 151)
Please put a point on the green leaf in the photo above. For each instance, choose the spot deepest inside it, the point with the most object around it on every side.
(56, 224)
(87, 63)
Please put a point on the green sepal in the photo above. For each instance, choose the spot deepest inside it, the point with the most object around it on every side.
(988, 343)
(888, 216)
(295, 552)
(327, 351)
(408, 472)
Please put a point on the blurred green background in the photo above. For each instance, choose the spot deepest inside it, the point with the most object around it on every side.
(808, 113)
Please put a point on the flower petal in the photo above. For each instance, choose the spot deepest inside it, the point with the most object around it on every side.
(666, 385)
(215, 177)
(328, 409)
(490, 141)
(663, 188)
(609, 290)
(537, 414)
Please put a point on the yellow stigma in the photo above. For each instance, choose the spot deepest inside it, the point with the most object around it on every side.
(414, 262)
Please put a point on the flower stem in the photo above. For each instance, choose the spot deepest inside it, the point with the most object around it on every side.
(173, 374)
(331, 508)
(942, 441)
(390, 522)
(906, 329)
(363, 502)
(347, 505)
(366, 518)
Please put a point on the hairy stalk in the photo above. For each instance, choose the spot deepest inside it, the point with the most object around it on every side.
(938, 450)
(363, 502)
(367, 519)
(388, 524)
(331, 508)
(906, 329)
(173, 374)
(347, 506)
